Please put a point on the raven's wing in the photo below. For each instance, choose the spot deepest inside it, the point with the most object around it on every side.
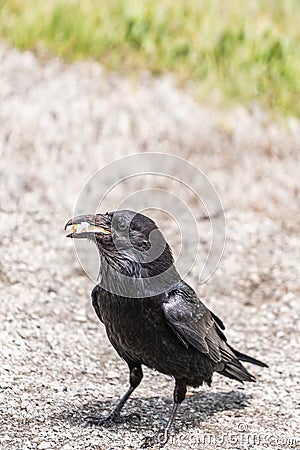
(194, 324)
(95, 301)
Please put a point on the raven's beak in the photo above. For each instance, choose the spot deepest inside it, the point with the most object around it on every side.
(86, 226)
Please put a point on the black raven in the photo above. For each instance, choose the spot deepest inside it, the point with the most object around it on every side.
(151, 315)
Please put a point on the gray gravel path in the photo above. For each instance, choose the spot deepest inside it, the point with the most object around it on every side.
(58, 124)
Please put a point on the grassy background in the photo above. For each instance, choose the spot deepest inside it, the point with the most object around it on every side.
(232, 50)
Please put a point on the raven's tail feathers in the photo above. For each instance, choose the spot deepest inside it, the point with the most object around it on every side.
(234, 369)
(246, 358)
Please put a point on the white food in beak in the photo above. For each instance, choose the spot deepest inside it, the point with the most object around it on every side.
(85, 227)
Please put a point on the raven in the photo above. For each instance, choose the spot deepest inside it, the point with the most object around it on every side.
(153, 317)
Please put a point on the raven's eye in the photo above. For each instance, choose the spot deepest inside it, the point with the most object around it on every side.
(121, 225)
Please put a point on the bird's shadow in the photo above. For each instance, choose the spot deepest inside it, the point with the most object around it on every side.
(156, 410)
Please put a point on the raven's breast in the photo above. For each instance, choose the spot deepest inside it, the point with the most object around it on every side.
(139, 332)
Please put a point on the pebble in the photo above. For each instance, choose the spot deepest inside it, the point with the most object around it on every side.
(44, 445)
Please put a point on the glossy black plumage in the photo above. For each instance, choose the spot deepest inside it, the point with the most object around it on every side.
(152, 317)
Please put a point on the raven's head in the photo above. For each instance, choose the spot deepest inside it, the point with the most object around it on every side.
(127, 240)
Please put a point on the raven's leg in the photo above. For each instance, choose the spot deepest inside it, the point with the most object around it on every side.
(162, 438)
(135, 377)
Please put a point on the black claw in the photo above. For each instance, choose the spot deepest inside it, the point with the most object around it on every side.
(99, 420)
(132, 416)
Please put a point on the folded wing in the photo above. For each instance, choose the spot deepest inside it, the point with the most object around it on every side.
(196, 326)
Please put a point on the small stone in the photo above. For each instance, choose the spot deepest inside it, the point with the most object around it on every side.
(43, 445)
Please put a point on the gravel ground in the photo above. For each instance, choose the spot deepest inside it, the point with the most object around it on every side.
(58, 124)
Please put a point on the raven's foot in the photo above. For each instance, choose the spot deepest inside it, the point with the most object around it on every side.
(112, 418)
(158, 439)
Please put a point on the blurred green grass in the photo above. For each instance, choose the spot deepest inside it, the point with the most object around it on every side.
(233, 51)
